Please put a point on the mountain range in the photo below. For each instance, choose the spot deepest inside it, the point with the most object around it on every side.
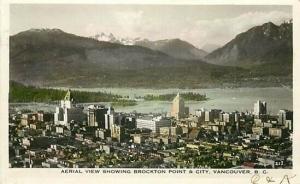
(209, 47)
(265, 44)
(52, 57)
(176, 48)
(114, 39)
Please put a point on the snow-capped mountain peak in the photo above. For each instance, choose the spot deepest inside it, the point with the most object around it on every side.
(114, 39)
(104, 37)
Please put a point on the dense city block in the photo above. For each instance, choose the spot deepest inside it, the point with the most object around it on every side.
(100, 137)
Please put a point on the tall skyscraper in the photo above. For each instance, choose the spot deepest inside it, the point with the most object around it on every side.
(260, 108)
(208, 116)
(200, 113)
(96, 116)
(109, 118)
(68, 111)
(178, 109)
(117, 132)
(284, 115)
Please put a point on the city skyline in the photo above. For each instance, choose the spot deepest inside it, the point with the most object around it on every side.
(79, 100)
(133, 140)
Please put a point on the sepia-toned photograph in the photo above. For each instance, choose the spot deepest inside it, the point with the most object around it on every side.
(160, 86)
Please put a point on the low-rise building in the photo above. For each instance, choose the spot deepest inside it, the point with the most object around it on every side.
(277, 132)
(153, 123)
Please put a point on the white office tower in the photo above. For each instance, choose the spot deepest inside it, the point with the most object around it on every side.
(109, 118)
(92, 110)
(260, 108)
(153, 123)
(68, 111)
(200, 113)
(178, 109)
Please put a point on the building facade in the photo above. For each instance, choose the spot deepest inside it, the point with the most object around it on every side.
(260, 108)
(284, 115)
(96, 116)
(153, 123)
(178, 109)
(68, 111)
(109, 118)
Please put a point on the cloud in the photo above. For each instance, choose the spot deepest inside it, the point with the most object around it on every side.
(220, 31)
(199, 32)
(129, 22)
(91, 29)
